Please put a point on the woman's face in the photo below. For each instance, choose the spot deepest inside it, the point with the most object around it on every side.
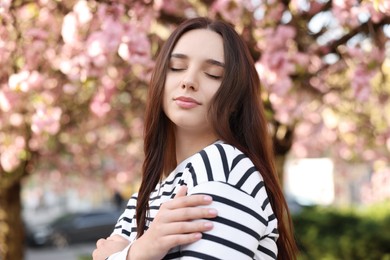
(195, 72)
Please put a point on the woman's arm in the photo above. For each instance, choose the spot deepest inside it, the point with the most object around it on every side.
(242, 229)
(172, 226)
(109, 246)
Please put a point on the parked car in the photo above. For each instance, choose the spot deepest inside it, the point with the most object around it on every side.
(74, 228)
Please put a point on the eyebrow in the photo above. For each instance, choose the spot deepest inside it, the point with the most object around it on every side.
(210, 61)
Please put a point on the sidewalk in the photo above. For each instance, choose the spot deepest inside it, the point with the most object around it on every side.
(74, 252)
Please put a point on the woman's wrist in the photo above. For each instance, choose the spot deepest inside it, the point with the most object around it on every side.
(132, 252)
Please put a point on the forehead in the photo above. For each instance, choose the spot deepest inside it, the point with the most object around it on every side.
(200, 44)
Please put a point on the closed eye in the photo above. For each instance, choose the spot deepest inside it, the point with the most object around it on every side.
(213, 76)
(176, 69)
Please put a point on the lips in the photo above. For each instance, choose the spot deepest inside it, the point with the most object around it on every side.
(186, 102)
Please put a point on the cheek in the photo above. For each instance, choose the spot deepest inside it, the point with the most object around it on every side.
(211, 91)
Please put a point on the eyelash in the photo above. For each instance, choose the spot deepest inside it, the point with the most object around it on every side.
(208, 75)
(174, 69)
(213, 76)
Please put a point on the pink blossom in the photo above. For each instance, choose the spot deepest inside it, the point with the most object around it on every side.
(388, 143)
(279, 61)
(275, 12)
(360, 83)
(143, 16)
(100, 104)
(135, 46)
(301, 59)
(8, 99)
(346, 127)
(113, 31)
(284, 108)
(345, 152)
(96, 44)
(376, 9)
(346, 12)
(112, 11)
(315, 7)
(16, 119)
(383, 6)
(378, 188)
(72, 22)
(37, 34)
(18, 81)
(102, 43)
(11, 154)
(99, 107)
(282, 85)
(137, 126)
(25, 80)
(315, 63)
(230, 10)
(70, 88)
(35, 80)
(171, 6)
(82, 12)
(274, 69)
(331, 99)
(6, 46)
(355, 52)
(275, 39)
(69, 31)
(4, 6)
(46, 119)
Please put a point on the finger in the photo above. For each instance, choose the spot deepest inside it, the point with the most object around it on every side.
(187, 201)
(186, 227)
(189, 213)
(116, 238)
(100, 242)
(182, 191)
(182, 239)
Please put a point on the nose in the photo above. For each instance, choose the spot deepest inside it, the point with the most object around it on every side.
(188, 84)
(189, 80)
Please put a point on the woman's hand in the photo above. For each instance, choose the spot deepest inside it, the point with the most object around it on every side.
(109, 246)
(172, 226)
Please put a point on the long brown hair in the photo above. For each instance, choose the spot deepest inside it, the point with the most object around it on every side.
(237, 115)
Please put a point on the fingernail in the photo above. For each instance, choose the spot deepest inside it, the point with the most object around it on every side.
(213, 212)
(208, 224)
(207, 198)
(198, 235)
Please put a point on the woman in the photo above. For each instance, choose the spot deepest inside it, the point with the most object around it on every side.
(209, 187)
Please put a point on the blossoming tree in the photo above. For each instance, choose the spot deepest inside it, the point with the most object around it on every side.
(73, 77)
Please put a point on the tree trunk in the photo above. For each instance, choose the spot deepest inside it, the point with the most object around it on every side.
(11, 225)
(279, 161)
(12, 236)
(282, 138)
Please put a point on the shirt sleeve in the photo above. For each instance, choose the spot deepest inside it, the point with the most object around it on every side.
(240, 229)
(126, 225)
(122, 255)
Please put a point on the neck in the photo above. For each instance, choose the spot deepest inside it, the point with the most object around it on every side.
(188, 144)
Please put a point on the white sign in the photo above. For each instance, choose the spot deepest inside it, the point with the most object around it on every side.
(310, 181)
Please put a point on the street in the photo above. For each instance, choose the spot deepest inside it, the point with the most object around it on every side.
(74, 252)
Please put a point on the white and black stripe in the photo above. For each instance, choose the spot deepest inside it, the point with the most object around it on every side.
(246, 227)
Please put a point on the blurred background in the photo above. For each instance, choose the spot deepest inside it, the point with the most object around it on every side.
(73, 81)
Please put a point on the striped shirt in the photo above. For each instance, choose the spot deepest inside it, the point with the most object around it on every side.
(245, 228)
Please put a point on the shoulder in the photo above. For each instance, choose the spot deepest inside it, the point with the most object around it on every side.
(225, 163)
(212, 163)
(220, 154)
(221, 148)
(227, 152)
